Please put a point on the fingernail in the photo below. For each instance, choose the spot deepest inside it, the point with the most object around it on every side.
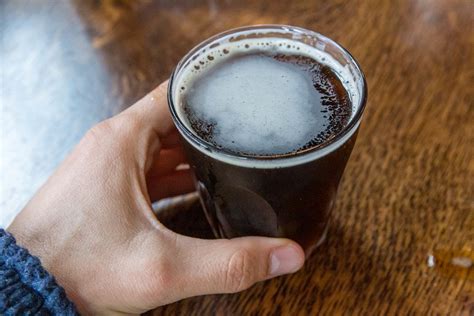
(285, 259)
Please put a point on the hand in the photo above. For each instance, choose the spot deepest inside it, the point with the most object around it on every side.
(93, 227)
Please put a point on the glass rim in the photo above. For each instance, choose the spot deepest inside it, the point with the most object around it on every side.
(209, 147)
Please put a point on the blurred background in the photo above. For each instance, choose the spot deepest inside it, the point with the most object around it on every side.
(407, 194)
(68, 64)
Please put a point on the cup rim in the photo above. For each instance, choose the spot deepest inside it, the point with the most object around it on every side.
(210, 148)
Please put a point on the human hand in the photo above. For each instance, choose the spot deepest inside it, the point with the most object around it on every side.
(93, 227)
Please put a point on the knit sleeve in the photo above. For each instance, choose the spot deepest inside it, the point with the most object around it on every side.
(26, 288)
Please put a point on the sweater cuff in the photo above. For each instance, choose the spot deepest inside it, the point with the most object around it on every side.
(26, 288)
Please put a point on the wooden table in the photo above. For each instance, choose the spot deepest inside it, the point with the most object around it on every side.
(402, 236)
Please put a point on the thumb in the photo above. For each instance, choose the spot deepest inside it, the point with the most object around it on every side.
(233, 265)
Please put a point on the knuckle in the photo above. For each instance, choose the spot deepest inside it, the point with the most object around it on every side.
(160, 91)
(115, 133)
(159, 279)
(127, 124)
(239, 272)
(98, 134)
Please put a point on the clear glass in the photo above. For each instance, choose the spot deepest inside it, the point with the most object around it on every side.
(287, 196)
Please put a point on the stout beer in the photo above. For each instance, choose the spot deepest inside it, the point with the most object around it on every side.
(269, 116)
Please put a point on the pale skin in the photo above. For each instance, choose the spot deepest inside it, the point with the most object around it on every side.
(93, 227)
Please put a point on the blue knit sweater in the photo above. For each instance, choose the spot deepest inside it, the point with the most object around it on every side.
(26, 288)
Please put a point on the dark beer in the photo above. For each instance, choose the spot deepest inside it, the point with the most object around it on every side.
(263, 104)
(268, 125)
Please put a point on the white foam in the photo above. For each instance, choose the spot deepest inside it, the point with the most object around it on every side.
(262, 106)
(251, 126)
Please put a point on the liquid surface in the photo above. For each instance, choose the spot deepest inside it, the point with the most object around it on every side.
(266, 103)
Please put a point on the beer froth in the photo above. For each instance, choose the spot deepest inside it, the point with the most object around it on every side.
(267, 100)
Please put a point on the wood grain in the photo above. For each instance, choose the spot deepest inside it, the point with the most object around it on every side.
(407, 193)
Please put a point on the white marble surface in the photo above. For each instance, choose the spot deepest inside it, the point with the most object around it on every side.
(44, 45)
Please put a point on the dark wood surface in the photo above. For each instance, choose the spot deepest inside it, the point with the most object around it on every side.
(402, 235)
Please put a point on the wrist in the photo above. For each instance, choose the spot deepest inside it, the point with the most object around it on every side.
(30, 288)
(42, 242)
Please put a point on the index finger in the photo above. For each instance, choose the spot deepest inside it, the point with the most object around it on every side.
(152, 110)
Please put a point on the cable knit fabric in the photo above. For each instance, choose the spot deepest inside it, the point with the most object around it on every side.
(26, 288)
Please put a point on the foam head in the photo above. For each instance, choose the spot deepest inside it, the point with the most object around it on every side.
(257, 105)
(265, 100)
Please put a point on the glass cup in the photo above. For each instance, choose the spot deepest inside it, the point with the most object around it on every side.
(287, 196)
